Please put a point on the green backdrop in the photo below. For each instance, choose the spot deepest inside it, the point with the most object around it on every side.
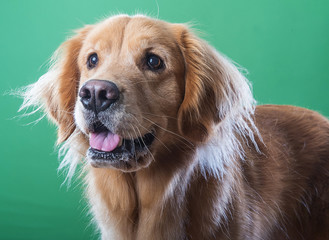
(284, 44)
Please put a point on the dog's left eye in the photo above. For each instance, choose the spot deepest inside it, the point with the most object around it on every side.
(92, 61)
(154, 62)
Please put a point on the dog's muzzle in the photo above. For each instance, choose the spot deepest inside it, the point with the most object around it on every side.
(108, 148)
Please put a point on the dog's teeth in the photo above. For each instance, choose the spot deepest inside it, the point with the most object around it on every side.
(120, 143)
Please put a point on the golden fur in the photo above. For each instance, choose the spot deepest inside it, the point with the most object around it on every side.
(219, 168)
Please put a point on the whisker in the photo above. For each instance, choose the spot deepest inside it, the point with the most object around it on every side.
(133, 141)
(152, 134)
(183, 140)
(143, 142)
(146, 146)
(136, 137)
(161, 116)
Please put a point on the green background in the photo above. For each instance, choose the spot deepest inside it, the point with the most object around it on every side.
(284, 44)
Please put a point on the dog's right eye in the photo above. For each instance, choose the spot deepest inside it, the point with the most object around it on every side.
(154, 62)
(92, 61)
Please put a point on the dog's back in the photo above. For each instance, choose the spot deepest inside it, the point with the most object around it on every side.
(289, 180)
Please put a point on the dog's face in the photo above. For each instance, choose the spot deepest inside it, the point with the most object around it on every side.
(131, 84)
(134, 87)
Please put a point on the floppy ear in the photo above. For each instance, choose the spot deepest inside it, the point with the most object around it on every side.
(214, 87)
(56, 91)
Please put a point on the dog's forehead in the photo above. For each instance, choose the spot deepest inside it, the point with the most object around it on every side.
(130, 32)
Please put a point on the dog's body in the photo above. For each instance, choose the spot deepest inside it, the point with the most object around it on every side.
(176, 148)
(280, 193)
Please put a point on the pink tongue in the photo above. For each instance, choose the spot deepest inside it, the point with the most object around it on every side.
(104, 141)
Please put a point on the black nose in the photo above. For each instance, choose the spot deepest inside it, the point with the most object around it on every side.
(98, 95)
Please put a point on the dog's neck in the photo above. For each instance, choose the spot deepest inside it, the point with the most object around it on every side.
(137, 199)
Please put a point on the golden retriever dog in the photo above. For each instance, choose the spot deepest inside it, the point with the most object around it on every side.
(172, 142)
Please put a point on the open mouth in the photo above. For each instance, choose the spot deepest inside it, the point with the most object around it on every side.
(107, 147)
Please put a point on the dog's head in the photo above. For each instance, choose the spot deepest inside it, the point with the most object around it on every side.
(134, 86)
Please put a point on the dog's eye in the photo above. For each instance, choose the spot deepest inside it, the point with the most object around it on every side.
(154, 62)
(92, 61)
